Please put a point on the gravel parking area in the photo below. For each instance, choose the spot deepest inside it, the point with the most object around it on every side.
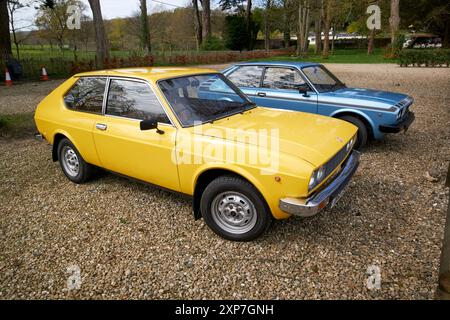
(132, 241)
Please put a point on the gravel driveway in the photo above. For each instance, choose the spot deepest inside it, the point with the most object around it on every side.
(132, 241)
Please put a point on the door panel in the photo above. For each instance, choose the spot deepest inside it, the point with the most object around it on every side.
(286, 99)
(280, 90)
(145, 155)
(123, 147)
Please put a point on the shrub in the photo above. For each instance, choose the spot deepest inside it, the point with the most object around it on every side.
(235, 34)
(212, 43)
(424, 57)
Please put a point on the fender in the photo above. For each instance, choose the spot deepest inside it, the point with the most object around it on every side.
(337, 113)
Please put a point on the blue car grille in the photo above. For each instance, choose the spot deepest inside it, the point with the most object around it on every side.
(335, 161)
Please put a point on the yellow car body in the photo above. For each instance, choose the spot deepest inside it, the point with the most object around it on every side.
(305, 143)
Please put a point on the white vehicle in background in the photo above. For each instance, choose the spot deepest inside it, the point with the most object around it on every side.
(422, 40)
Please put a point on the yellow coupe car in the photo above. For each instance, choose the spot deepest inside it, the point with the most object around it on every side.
(194, 132)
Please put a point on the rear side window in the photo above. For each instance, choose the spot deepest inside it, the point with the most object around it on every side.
(86, 95)
(282, 78)
(247, 76)
(135, 100)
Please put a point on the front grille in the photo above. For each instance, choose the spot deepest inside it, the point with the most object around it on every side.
(335, 161)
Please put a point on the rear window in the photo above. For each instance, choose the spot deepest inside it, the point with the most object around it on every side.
(246, 76)
(86, 95)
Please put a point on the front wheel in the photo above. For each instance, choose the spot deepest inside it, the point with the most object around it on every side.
(362, 135)
(234, 209)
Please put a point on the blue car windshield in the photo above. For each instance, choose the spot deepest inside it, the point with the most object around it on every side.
(203, 98)
(322, 79)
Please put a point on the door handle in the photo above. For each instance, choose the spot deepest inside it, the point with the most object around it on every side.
(261, 94)
(101, 126)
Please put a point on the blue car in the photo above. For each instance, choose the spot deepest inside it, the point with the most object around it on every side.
(310, 87)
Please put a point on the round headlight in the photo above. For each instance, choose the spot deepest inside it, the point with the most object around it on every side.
(320, 174)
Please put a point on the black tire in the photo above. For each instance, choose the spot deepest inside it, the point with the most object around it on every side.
(84, 171)
(226, 187)
(362, 135)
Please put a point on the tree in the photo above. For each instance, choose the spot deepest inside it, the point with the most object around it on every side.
(234, 38)
(394, 22)
(318, 10)
(268, 5)
(206, 4)
(52, 17)
(249, 24)
(100, 34)
(303, 27)
(197, 24)
(13, 7)
(327, 16)
(145, 32)
(5, 36)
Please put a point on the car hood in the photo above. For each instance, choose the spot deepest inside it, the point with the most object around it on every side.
(311, 137)
(363, 97)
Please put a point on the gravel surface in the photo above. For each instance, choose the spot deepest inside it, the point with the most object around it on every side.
(134, 241)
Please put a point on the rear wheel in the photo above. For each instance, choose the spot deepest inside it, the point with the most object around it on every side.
(72, 164)
(234, 209)
(362, 135)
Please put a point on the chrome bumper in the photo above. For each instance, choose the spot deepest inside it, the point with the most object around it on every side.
(321, 199)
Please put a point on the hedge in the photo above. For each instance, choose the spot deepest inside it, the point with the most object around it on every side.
(424, 57)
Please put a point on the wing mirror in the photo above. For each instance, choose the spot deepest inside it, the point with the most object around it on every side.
(150, 124)
(303, 89)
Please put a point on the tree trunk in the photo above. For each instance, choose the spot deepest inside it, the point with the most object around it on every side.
(306, 30)
(326, 30)
(267, 26)
(248, 18)
(333, 38)
(206, 4)
(100, 34)
(286, 26)
(197, 24)
(446, 40)
(145, 32)
(318, 32)
(394, 22)
(370, 45)
(300, 31)
(5, 37)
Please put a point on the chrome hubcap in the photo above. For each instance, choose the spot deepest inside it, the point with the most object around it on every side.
(70, 161)
(233, 212)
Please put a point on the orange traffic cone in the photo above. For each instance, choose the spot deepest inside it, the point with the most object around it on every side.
(44, 75)
(8, 80)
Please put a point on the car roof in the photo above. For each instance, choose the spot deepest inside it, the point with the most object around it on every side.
(149, 73)
(294, 64)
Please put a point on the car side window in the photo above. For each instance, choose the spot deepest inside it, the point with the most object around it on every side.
(86, 95)
(135, 100)
(246, 76)
(282, 78)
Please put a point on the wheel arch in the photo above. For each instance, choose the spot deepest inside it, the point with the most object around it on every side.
(209, 174)
(57, 137)
(357, 114)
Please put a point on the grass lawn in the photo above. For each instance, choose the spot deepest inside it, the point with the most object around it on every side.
(17, 125)
(339, 56)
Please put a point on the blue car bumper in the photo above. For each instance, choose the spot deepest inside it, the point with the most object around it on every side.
(403, 125)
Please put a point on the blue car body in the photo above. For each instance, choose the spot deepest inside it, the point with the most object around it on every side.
(381, 111)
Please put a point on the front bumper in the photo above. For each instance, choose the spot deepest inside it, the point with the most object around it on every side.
(321, 199)
(402, 125)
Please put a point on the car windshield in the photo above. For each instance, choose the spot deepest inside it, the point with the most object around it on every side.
(203, 98)
(322, 79)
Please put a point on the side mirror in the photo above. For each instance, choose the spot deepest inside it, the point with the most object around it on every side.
(303, 88)
(150, 124)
